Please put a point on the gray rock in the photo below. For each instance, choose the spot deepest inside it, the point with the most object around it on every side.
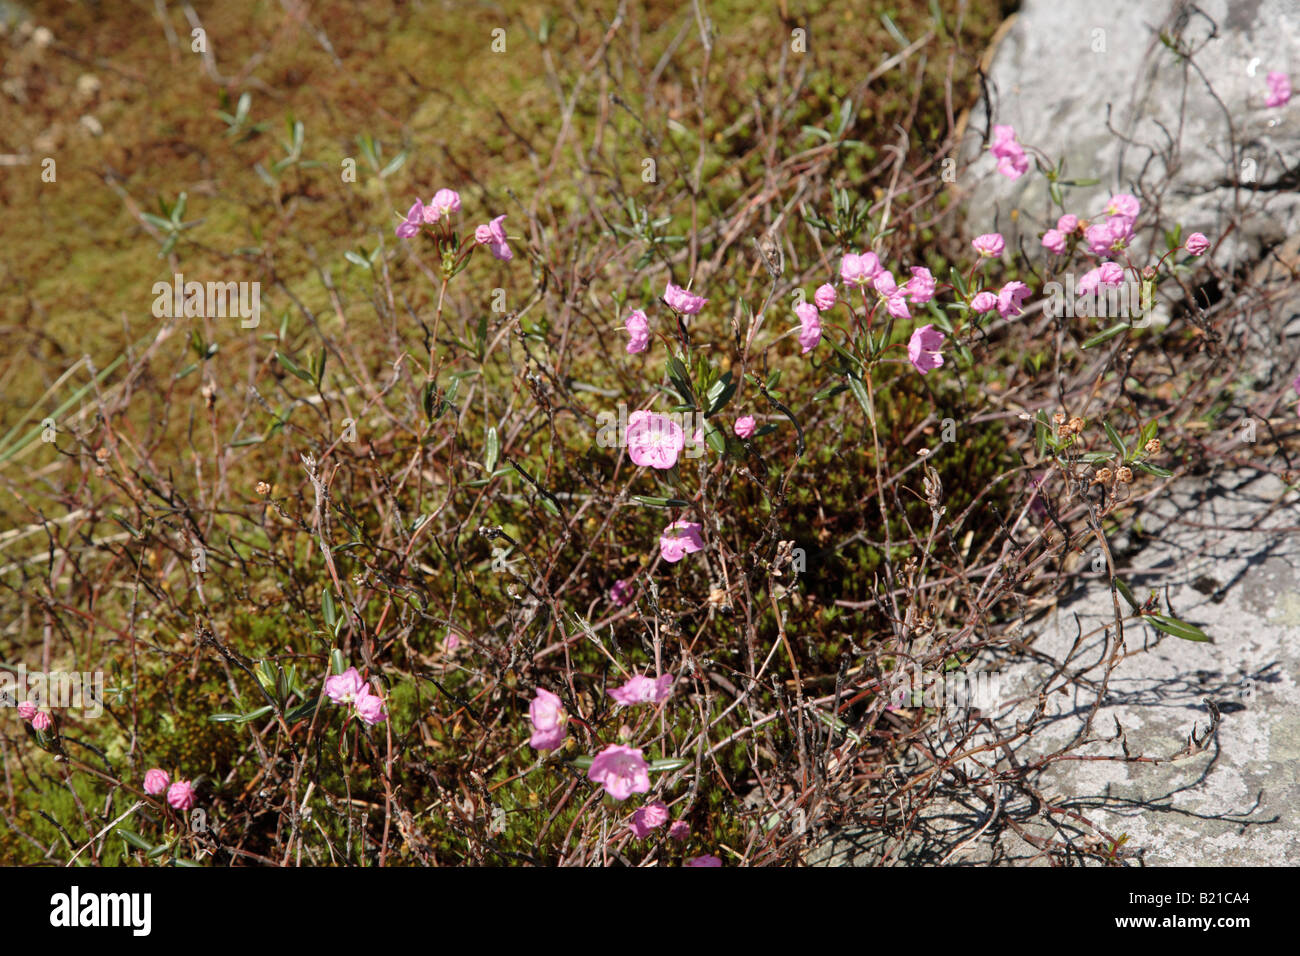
(1236, 801)
(1092, 82)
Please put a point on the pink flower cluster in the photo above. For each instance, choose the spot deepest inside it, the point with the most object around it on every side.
(619, 769)
(40, 720)
(677, 299)
(1279, 89)
(1113, 236)
(440, 208)
(350, 688)
(865, 271)
(1054, 240)
(1012, 161)
(180, 794)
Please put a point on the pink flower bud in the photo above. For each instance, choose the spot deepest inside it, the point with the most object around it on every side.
(155, 781)
(181, 795)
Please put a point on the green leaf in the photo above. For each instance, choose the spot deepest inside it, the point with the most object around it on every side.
(1106, 336)
(294, 367)
(301, 712)
(583, 763)
(859, 391)
(1171, 625)
(1153, 469)
(1115, 440)
(328, 610)
(1126, 593)
(357, 259)
(398, 161)
(661, 502)
(1042, 432)
(133, 838)
(493, 450)
(670, 763)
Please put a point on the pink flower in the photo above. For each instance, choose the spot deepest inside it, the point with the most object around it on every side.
(990, 244)
(744, 426)
(1279, 88)
(181, 795)
(648, 818)
(344, 688)
(1014, 163)
(1010, 298)
(621, 593)
(1122, 204)
(643, 690)
(410, 226)
(155, 781)
(680, 830)
(654, 441)
(546, 714)
(1099, 238)
(1105, 238)
(679, 300)
(1054, 241)
(1296, 384)
(858, 270)
(810, 330)
(824, 297)
(1108, 273)
(1197, 244)
(638, 331)
(1010, 155)
(443, 203)
(920, 288)
(42, 721)
(493, 235)
(984, 302)
(622, 771)
(884, 283)
(26, 710)
(1121, 231)
(370, 706)
(896, 305)
(707, 859)
(1067, 223)
(923, 348)
(680, 539)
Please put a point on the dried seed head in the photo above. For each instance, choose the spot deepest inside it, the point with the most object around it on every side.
(1103, 476)
(101, 454)
(1152, 447)
(1123, 475)
(1059, 418)
(263, 488)
(1075, 424)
